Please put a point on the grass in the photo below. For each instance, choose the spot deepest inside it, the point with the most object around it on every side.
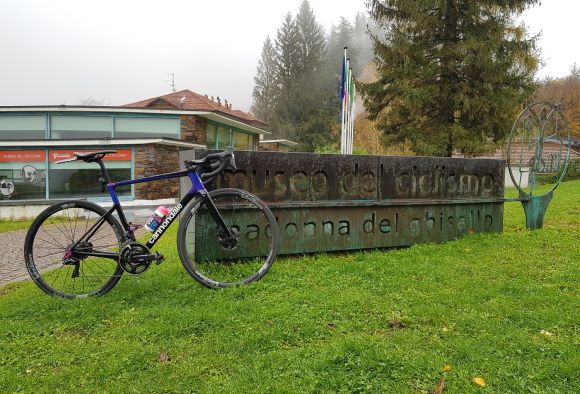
(12, 225)
(503, 307)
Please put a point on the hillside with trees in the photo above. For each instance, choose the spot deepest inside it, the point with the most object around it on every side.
(437, 78)
(565, 91)
(298, 76)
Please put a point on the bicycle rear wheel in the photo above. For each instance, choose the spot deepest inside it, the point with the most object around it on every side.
(217, 262)
(58, 268)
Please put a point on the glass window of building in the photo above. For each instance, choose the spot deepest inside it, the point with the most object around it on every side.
(211, 136)
(22, 127)
(224, 137)
(70, 127)
(22, 174)
(243, 141)
(80, 179)
(128, 127)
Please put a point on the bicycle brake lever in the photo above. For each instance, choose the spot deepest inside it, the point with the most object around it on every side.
(232, 162)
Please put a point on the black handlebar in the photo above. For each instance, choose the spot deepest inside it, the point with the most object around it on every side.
(220, 166)
(213, 164)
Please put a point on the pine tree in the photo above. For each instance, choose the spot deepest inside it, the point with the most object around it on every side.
(339, 37)
(312, 126)
(265, 89)
(312, 47)
(452, 73)
(288, 67)
(311, 39)
(303, 101)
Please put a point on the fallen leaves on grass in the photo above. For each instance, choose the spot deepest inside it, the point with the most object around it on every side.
(546, 333)
(395, 324)
(440, 387)
(478, 380)
(164, 358)
(447, 368)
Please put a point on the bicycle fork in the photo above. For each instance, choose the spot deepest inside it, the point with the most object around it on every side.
(227, 236)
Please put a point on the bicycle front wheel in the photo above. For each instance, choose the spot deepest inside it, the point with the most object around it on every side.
(216, 260)
(62, 245)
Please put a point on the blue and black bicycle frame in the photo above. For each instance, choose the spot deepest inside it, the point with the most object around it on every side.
(197, 189)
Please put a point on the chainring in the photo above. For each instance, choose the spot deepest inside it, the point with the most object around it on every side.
(127, 258)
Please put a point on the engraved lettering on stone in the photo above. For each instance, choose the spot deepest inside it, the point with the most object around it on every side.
(368, 182)
(319, 183)
(299, 184)
(279, 184)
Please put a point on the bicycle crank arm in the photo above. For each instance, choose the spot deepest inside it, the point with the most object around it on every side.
(148, 257)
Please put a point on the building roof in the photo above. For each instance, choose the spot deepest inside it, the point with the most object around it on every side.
(215, 116)
(191, 101)
(280, 141)
(78, 142)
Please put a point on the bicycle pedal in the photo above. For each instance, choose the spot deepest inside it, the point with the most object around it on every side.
(158, 258)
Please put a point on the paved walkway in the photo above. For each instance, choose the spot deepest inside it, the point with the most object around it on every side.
(12, 266)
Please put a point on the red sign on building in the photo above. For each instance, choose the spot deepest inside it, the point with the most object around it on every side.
(121, 155)
(22, 155)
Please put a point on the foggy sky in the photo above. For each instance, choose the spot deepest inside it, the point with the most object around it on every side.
(62, 51)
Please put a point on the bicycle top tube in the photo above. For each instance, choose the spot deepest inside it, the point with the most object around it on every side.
(197, 170)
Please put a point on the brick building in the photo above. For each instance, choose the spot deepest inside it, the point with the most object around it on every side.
(148, 136)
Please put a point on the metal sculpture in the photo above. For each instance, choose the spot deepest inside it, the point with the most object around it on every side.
(537, 157)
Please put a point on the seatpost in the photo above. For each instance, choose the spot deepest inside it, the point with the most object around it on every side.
(104, 180)
(104, 171)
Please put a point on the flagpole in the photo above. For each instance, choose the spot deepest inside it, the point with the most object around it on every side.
(344, 101)
(342, 98)
(348, 123)
(352, 115)
(347, 104)
(348, 112)
(349, 109)
(353, 119)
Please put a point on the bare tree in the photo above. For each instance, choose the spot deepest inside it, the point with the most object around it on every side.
(565, 91)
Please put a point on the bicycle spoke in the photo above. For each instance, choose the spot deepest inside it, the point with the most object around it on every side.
(61, 245)
(209, 256)
(58, 232)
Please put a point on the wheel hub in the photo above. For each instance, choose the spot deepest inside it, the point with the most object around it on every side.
(227, 242)
(77, 252)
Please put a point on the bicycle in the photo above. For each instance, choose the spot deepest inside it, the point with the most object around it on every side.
(229, 251)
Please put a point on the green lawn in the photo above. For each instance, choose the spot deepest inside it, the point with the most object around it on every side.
(12, 225)
(503, 307)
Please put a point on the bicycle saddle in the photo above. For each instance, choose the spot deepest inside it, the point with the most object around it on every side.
(89, 157)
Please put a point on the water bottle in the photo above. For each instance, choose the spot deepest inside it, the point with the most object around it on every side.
(157, 218)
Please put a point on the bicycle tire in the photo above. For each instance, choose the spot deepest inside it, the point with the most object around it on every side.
(54, 231)
(214, 265)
